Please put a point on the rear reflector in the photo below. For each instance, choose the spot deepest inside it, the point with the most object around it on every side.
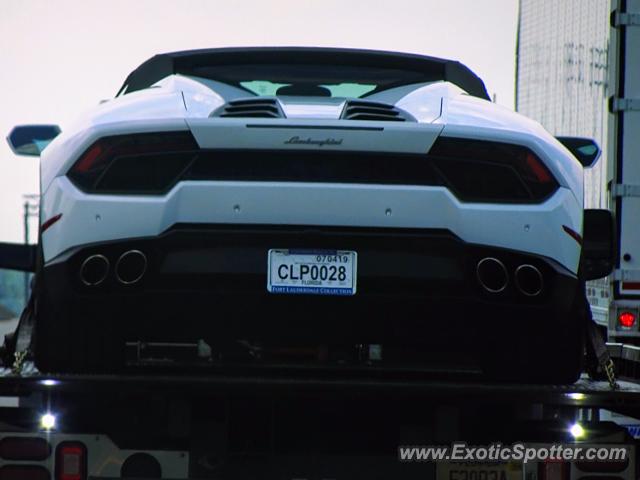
(71, 461)
(573, 234)
(24, 472)
(50, 222)
(24, 449)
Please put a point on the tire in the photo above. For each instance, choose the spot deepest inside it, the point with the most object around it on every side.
(552, 352)
(559, 357)
(540, 361)
(72, 336)
(73, 340)
(52, 347)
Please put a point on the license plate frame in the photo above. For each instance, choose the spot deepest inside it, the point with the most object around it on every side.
(312, 281)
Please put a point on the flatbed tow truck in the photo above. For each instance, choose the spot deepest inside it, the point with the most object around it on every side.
(182, 421)
(172, 416)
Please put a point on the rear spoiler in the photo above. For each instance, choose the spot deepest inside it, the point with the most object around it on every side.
(196, 62)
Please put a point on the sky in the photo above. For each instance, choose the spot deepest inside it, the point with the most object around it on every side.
(59, 58)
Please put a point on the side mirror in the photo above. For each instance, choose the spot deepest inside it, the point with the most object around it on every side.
(31, 140)
(598, 244)
(585, 150)
(18, 256)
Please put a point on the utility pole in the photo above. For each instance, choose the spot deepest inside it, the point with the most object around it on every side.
(31, 208)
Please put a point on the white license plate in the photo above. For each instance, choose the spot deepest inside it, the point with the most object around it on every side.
(316, 272)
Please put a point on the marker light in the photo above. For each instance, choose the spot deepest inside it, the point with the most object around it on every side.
(48, 223)
(577, 396)
(48, 421)
(577, 431)
(626, 319)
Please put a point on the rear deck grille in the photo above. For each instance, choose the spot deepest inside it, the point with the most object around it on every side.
(362, 110)
(250, 108)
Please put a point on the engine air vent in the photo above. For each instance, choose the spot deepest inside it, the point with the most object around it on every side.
(362, 110)
(250, 108)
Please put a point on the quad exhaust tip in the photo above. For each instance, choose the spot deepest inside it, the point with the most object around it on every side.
(529, 280)
(492, 275)
(94, 270)
(131, 267)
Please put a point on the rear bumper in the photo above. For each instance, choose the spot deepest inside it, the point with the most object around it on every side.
(89, 219)
(414, 287)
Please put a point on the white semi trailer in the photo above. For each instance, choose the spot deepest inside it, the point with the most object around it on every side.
(623, 145)
(591, 88)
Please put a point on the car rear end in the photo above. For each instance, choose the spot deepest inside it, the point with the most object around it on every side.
(309, 207)
(307, 244)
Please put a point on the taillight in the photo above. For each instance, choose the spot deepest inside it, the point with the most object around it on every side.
(24, 449)
(483, 171)
(24, 472)
(137, 163)
(71, 461)
(92, 157)
(537, 168)
(626, 319)
(553, 470)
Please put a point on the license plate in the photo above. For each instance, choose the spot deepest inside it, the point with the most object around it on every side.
(315, 272)
(478, 471)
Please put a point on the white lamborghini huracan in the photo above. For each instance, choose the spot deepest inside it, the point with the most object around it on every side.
(310, 204)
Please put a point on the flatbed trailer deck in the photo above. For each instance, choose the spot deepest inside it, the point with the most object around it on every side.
(275, 423)
(174, 414)
(585, 393)
(364, 379)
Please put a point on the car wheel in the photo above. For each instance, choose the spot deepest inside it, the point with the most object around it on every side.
(73, 338)
(551, 352)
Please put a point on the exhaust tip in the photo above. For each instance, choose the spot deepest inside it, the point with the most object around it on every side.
(529, 280)
(94, 270)
(492, 275)
(131, 267)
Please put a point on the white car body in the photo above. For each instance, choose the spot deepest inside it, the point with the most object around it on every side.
(442, 109)
(173, 203)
